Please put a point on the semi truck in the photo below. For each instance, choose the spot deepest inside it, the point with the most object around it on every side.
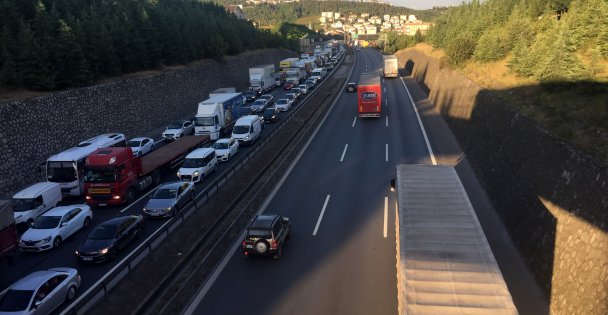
(9, 239)
(369, 95)
(391, 66)
(220, 91)
(217, 115)
(261, 78)
(114, 176)
(287, 63)
(65, 168)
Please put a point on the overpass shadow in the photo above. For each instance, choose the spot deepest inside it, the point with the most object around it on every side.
(549, 195)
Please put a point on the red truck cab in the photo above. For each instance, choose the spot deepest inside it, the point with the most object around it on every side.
(109, 175)
(369, 95)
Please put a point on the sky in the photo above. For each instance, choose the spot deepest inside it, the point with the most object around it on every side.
(423, 4)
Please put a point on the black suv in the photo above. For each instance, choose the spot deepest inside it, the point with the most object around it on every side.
(351, 87)
(265, 235)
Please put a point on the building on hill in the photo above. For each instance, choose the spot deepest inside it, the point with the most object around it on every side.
(412, 28)
(237, 10)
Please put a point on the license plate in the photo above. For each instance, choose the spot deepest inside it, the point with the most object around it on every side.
(102, 204)
(248, 246)
(87, 258)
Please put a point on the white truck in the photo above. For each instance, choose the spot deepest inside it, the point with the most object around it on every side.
(220, 91)
(261, 78)
(391, 66)
(217, 115)
(295, 73)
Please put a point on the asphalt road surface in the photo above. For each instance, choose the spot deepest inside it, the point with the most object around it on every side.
(341, 256)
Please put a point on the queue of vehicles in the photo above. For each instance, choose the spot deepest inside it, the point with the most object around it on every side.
(108, 170)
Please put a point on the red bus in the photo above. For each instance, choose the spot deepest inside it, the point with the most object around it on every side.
(369, 94)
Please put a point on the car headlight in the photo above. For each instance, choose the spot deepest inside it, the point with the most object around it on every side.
(104, 251)
(226, 154)
(196, 173)
(168, 209)
(246, 138)
(178, 174)
(46, 239)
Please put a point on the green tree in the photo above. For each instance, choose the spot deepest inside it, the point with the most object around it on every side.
(460, 49)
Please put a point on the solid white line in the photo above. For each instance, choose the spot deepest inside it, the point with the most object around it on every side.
(387, 120)
(354, 121)
(218, 270)
(321, 216)
(344, 152)
(385, 216)
(426, 139)
(387, 152)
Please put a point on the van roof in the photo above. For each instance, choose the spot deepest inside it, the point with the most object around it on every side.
(35, 189)
(199, 153)
(247, 120)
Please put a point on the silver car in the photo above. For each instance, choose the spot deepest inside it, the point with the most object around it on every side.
(168, 199)
(41, 292)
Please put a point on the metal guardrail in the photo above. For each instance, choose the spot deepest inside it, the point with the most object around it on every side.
(111, 279)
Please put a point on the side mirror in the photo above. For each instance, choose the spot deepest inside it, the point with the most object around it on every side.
(37, 303)
(63, 224)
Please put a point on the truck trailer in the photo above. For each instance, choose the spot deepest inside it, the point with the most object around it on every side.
(217, 115)
(391, 66)
(369, 95)
(223, 90)
(261, 78)
(287, 63)
(9, 239)
(114, 176)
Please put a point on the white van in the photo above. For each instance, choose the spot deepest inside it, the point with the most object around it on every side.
(198, 164)
(35, 200)
(247, 129)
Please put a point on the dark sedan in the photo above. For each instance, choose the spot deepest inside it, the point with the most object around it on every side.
(251, 96)
(271, 114)
(110, 237)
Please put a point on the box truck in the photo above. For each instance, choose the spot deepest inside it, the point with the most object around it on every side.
(261, 78)
(391, 66)
(217, 115)
(224, 90)
(369, 95)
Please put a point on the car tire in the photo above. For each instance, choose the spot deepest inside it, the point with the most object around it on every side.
(57, 242)
(288, 234)
(175, 211)
(113, 255)
(152, 148)
(261, 247)
(278, 253)
(192, 197)
(130, 195)
(30, 222)
(86, 223)
(71, 294)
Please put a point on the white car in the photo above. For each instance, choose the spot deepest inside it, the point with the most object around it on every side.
(198, 164)
(303, 88)
(141, 146)
(178, 129)
(55, 226)
(40, 292)
(225, 148)
(283, 104)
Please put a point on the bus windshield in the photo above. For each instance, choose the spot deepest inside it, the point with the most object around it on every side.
(61, 171)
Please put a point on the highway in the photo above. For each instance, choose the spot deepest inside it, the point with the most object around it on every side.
(64, 256)
(341, 258)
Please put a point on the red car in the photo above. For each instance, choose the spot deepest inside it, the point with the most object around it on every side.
(290, 85)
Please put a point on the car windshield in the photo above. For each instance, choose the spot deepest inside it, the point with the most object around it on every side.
(282, 101)
(175, 126)
(193, 163)
(61, 172)
(15, 300)
(290, 96)
(258, 233)
(20, 205)
(102, 232)
(295, 90)
(204, 121)
(220, 145)
(240, 129)
(165, 193)
(259, 102)
(134, 144)
(99, 176)
(270, 111)
(46, 222)
(250, 94)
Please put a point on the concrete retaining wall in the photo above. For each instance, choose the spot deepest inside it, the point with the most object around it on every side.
(552, 198)
(34, 129)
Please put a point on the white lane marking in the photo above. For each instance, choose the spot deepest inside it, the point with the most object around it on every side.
(218, 270)
(354, 121)
(387, 152)
(385, 216)
(159, 141)
(426, 139)
(344, 152)
(136, 201)
(387, 120)
(385, 89)
(321, 215)
(386, 102)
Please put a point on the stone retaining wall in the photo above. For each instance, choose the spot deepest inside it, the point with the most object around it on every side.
(552, 198)
(37, 128)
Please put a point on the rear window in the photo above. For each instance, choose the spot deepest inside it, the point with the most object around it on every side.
(258, 233)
